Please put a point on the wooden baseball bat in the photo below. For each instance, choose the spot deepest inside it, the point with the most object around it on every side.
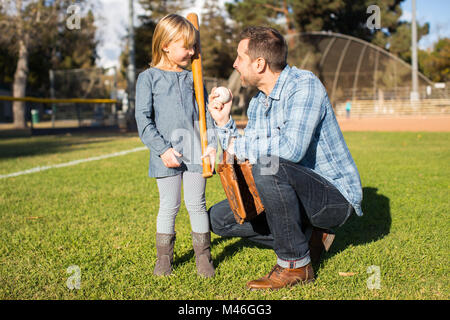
(200, 97)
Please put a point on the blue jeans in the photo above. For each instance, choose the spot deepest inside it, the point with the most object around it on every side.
(295, 199)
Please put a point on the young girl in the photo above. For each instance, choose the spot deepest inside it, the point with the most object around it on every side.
(167, 119)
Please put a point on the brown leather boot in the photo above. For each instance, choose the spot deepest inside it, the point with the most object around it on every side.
(281, 277)
(202, 249)
(320, 241)
(164, 253)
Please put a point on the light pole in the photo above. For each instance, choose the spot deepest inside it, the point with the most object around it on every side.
(415, 92)
(131, 70)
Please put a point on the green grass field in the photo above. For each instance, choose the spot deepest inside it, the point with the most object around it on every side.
(101, 217)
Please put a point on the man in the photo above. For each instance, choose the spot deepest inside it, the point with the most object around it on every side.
(303, 170)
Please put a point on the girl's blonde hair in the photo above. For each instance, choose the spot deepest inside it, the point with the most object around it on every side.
(171, 28)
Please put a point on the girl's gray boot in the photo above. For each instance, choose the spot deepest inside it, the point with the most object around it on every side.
(164, 253)
(202, 249)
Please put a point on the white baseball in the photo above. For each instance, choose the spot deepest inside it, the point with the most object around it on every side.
(224, 94)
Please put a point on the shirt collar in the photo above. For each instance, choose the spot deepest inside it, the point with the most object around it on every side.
(276, 91)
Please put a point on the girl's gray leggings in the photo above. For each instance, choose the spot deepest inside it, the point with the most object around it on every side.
(170, 199)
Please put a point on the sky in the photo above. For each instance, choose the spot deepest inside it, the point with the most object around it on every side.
(112, 28)
(436, 12)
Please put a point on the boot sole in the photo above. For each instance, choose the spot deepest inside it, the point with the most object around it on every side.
(328, 241)
(289, 286)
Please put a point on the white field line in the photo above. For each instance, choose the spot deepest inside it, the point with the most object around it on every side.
(71, 163)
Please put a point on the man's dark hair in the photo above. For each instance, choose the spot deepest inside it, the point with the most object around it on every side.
(266, 43)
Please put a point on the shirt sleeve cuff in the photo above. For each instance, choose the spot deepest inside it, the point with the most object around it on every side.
(227, 125)
(226, 132)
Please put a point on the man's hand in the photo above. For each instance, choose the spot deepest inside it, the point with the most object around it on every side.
(169, 159)
(219, 112)
(211, 153)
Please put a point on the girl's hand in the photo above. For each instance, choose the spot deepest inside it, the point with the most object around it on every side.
(169, 159)
(211, 153)
(219, 112)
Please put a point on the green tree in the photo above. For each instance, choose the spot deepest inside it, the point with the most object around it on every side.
(160, 8)
(77, 48)
(289, 16)
(400, 41)
(436, 64)
(143, 34)
(68, 49)
(218, 44)
(273, 13)
(350, 18)
(342, 16)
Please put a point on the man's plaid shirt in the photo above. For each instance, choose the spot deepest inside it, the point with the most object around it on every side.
(296, 122)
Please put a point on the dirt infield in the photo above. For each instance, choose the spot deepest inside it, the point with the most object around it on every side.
(423, 123)
(417, 123)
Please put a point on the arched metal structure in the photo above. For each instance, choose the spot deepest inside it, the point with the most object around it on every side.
(350, 68)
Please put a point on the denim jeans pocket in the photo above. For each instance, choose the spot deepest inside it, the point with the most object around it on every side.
(331, 216)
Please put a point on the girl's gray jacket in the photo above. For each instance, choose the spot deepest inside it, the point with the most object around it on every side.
(167, 116)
